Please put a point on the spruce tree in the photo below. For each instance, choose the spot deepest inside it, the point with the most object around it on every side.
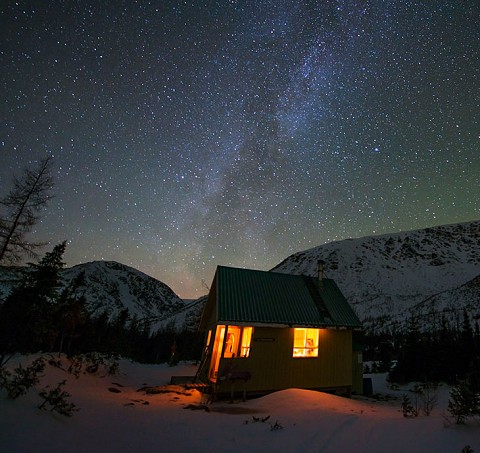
(463, 402)
(27, 315)
(70, 313)
(409, 365)
(45, 276)
(466, 347)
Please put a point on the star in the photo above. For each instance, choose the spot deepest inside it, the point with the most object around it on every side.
(188, 136)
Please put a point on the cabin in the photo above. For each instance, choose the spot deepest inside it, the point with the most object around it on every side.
(276, 331)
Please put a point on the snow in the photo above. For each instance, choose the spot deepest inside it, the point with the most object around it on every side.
(310, 421)
(386, 277)
(111, 287)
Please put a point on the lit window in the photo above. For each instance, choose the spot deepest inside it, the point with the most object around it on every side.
(305, 343)
(246, 341)
(237, 343)
(231, 342)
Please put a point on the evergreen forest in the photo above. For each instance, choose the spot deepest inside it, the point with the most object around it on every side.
(39, 316)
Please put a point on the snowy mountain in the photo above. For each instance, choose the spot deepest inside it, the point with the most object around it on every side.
(389, 277)
(451, 304)
(111, 287)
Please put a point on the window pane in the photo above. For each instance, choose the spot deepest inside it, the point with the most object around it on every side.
(246, 341)
(305, 343)
(231, 343)
(311, 345)
(299, 340)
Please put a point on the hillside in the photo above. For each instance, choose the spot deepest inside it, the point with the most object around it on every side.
(388, 277)
(451, 303)
(111, 287)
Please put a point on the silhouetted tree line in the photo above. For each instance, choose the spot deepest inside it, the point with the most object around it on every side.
(38, 316)
(448, 354)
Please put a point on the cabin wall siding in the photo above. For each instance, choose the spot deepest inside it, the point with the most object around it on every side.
(273, 367)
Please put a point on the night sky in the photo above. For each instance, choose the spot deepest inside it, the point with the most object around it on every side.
(190, 134)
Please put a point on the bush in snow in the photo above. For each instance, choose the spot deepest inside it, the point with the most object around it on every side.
(93, 362)
(55, 400)
(22, 379)
(425, 397)
(428, 397)
(276, 426)
(407, 407)
(467, 449)
(463, 402)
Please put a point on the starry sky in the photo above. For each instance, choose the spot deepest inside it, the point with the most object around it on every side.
(191, 134)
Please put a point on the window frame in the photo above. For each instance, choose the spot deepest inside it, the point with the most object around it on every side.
(238, 348)
(306, 347)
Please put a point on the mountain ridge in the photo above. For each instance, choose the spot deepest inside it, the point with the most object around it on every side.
(388, 278)
(110, 287)
(385, 276)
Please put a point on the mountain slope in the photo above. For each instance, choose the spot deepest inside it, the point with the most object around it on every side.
(385, 276)
(111, 287)
(450, 304)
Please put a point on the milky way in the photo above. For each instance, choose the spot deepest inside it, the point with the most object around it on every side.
(191, 134)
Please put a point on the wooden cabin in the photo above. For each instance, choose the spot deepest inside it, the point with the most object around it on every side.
(277, 331)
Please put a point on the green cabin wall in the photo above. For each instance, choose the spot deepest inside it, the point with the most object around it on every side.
(273, 368)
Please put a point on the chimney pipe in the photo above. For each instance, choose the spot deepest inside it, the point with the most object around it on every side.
(320, 269)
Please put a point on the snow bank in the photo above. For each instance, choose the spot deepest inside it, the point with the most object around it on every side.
(126, 420)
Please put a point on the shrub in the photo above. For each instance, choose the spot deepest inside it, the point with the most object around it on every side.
(92, 363)
(407, 407)
(55, 400)
(22, 379)
(425, 397)
(429, 397)
(463, 402)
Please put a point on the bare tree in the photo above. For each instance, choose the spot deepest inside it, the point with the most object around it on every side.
(20, 209)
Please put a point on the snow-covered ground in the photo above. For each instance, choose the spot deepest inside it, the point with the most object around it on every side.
(306, 421)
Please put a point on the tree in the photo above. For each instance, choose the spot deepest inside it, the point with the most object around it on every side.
(410, 366)
(45, 276)
(20, 210)
(27, 315)
(463, 402)
(70, 313)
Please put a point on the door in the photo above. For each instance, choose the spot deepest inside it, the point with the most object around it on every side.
(217, 352)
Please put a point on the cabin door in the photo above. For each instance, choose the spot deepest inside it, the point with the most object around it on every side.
(217, 352)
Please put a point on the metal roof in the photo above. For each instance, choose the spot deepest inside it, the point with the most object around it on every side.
(248, 296)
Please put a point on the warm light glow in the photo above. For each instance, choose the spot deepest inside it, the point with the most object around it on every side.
(305, 342)
(217, 351)
(234, 347)
(246, 341)
(231, 343)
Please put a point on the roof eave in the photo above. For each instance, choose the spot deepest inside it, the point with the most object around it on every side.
(285, 325)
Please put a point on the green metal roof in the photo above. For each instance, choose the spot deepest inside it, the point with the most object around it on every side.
(248, 296)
